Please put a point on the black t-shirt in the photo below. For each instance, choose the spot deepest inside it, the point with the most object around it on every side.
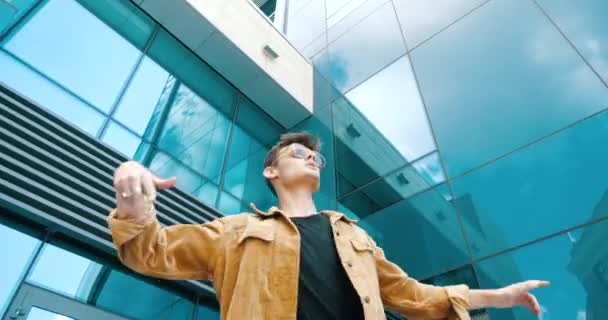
(324, 290)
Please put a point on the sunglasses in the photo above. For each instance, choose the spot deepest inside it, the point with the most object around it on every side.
(299, 151)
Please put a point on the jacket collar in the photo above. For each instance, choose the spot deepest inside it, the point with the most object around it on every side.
(274, 210)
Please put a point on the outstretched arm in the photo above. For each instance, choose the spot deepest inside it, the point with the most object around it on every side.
(185, 251)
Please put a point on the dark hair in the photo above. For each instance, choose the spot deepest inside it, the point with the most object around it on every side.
(304, 138)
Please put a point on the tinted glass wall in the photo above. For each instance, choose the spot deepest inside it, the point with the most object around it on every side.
(470, 137)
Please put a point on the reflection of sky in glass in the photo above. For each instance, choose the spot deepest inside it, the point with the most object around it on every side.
(77, 52)
(391, 102)
(41, 314)
(547, 187)
(17, 248)
(584, 23)
(61, 271)
(491, 85)
(554, 260)
(40, 90)
(141, 98)
(420, 19)
(121, 139)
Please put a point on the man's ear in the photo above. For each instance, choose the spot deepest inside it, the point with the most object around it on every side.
(270, 172)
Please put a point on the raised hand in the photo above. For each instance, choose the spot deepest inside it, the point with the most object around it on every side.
(136, 190)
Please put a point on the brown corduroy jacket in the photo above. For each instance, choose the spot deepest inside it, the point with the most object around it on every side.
(253, 261)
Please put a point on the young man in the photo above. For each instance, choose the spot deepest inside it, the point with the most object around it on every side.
(291, 262)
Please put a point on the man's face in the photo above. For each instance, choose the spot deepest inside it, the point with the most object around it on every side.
(296, 166)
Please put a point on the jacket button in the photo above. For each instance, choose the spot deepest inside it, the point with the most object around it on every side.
(367, 299)
(349, 264)
(338, 233)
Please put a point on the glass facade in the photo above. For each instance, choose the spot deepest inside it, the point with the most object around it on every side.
(467, 137)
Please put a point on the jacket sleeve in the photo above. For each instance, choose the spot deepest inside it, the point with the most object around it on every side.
(416, 300)
(179, 252)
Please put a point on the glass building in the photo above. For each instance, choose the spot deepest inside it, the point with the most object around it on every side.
(468, 137)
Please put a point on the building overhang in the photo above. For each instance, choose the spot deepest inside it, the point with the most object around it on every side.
(240, 43)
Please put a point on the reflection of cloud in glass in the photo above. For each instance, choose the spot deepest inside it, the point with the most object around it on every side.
(421, 19)
(391, 102)
(581, 315)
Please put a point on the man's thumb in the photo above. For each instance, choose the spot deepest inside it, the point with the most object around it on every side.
(164, 183)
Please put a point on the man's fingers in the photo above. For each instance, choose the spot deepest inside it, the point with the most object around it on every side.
(533, 284)
(149, 188)
(164, 183)
(533, 304)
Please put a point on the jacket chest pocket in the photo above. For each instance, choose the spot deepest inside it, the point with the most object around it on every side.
(363, 255)
(261, 231)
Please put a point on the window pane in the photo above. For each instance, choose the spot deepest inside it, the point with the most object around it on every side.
(547, 187)
(196, 133)
(121, 139)
(166, 166)
(253, 133)
(48, 95)
(491, 85)
(584, 23)
(193, 72)
(319, 124)
(391, 102)
(142, 96)
(70, 45)
(575, 263)
(140, 300)
(19, 247)
(12, 10)
(306, 24)
(395, 187)
(421, 234)
(64, 272)
(364, 153)
(421, 19)
(41, 314)
(349, 60)
(124, 17)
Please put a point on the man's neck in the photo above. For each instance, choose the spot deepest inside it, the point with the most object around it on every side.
(297, 203)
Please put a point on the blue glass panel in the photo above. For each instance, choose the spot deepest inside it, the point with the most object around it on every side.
(349, 56)
(365, 153)
(547, 187)
(491, 85)
(395, 187)
(421, 234)
(47, 94)
(124, 17)
(65, 272)
(230, 204)
(319, 124)
(252, 137)
(11, 11)
(196, 133)
(306, 23)
(19, 247)
(165, 166)
(192, 71)
(144, 300)
(40, 314)
(421, 19)
(142, 96)
(584, 23)
(121, 139)
(576, 264)
(70, 45)
(391, 102)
